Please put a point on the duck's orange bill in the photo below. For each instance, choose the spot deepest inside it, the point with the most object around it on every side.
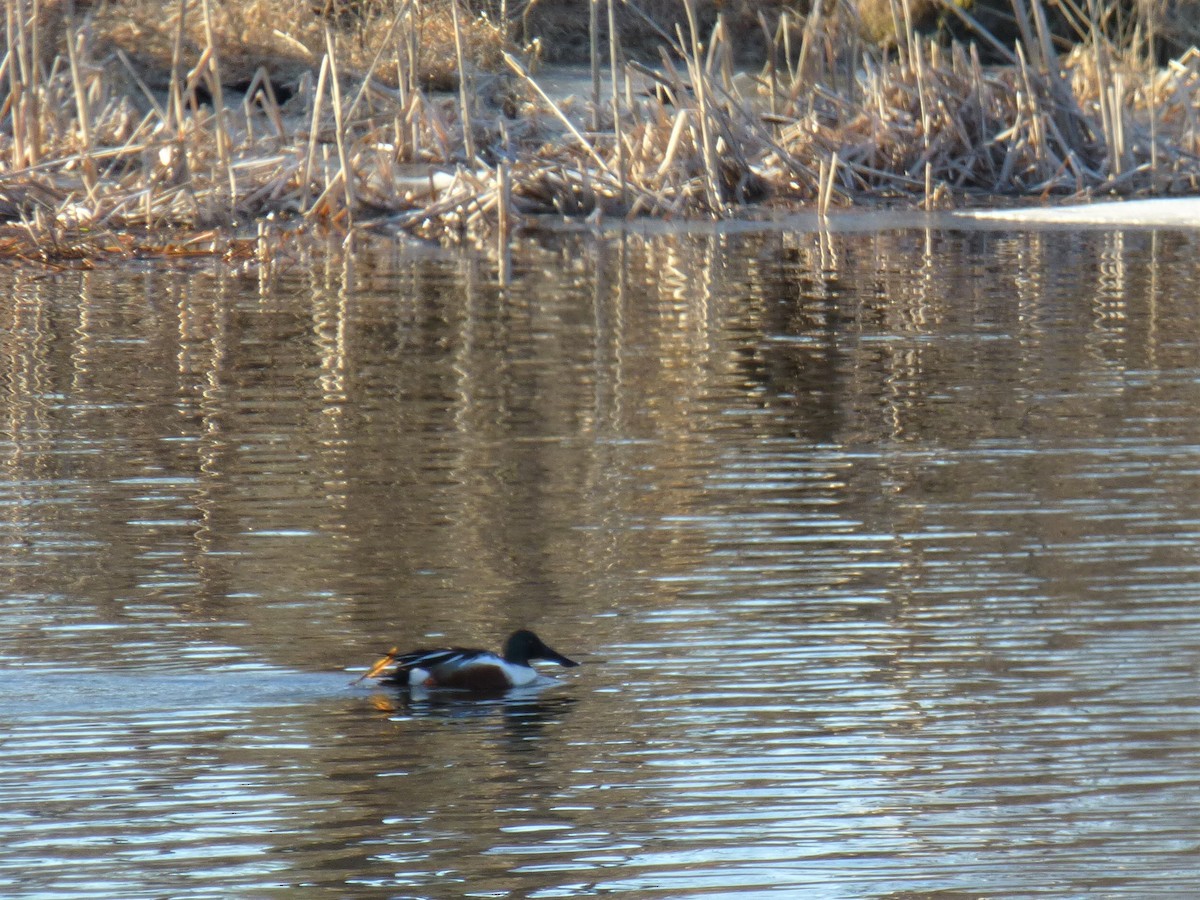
(379, 666)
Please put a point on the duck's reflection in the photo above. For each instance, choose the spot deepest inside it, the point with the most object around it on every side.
(526, 711)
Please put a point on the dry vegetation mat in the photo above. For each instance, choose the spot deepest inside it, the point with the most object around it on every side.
(196, 126)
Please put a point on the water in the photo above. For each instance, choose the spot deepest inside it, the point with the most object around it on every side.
(879, 551)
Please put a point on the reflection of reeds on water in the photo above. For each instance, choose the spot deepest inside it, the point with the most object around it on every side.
(93, 149)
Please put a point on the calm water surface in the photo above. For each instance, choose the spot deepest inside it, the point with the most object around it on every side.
(881, 554)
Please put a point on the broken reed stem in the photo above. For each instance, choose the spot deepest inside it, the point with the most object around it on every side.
(516, 66)
(464, 88)
(148, 94)
(383, 45)
(1119, 162)
(825, 190)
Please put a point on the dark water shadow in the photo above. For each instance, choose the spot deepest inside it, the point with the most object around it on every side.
(523, 712)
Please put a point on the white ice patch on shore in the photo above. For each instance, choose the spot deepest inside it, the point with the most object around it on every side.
(1177, 212)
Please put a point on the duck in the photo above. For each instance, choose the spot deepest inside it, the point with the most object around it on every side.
(468, 669)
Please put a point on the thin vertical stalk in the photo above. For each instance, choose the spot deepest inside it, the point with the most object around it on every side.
(811, 33)
(335, 90)
(917, 60)
(34, 81)
(897, 26)
(383, 45)
(1151, 23)
(615, 74)
(16, 80)
(83, 115)
(786, 33)
(772, 72)
(464, 88)
(416, 21)
(313, 130)
(24, 95)
(224, 143)
(413, 47)
(712, 190)
(825, 190)
(505, 221)
(594, 58)
(1120, 150)
(176, 86)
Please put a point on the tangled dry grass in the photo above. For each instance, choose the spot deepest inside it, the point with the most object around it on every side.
(169, 125)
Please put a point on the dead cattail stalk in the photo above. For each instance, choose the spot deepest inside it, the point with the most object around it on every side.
(828, 175)
(917, 59)
(900, 29)
(18, 83)
(594, 58)
(672, 150)
(465, 95)
(83, 115)
(335, 90)
(812, 30)
(772, 65)
(313, 132)
(699, 78)
(29, 38)
(615, 75)
(175, 122)
(224, 143)
(504, 222)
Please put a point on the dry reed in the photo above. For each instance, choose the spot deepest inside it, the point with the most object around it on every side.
(92, 151)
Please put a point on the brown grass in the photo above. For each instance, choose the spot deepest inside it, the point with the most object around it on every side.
(286, 38)
(165, 120)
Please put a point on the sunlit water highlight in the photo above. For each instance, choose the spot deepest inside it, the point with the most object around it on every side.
(879, 552)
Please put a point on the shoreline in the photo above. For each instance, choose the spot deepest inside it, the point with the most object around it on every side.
(279, 243)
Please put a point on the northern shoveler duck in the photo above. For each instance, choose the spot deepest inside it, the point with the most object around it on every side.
(465, 669)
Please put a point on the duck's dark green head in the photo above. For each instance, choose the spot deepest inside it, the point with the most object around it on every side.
(524, 646)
